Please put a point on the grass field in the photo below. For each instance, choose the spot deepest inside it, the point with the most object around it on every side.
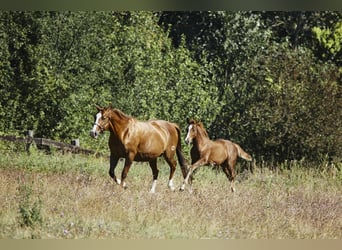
(67, 196)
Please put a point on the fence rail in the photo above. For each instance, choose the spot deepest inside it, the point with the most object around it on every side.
(65, 147)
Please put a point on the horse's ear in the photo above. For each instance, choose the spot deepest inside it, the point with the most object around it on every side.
(190, 121)
(99, 108)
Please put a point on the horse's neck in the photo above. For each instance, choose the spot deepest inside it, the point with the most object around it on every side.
(119, 122)
(201, 140)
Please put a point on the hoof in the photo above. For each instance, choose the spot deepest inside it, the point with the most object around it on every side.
(171, 187)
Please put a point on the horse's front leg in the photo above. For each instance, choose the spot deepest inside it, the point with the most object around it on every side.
(113, 162)
(155, 171)
(192, 168)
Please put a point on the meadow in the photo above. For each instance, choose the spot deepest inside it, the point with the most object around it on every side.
(68, 196)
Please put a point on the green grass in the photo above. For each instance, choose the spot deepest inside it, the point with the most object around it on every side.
(72, 196)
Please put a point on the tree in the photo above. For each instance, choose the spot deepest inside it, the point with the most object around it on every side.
(329, 40)
(268, 78)
(257, 78)
(292, 106)
(299, 28)
(68, 61)
(157, 80)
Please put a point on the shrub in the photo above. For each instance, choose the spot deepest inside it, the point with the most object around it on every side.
(29, 209)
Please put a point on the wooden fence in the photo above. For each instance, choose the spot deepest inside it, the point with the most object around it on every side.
(65, 147)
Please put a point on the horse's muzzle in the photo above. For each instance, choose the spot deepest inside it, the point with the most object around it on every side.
(94, 134)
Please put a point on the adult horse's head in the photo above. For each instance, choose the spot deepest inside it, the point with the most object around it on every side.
(101, 121)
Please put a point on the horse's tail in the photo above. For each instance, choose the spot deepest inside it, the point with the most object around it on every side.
(181, 159)
(242, 153)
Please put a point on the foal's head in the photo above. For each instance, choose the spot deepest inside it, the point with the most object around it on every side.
(194, 129)
(101, 121)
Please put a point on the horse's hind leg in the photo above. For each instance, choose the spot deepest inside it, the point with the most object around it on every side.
(231, 168)
(155, 172)
(113, 161)
(228, 169)
(172, 163)
(125, 170)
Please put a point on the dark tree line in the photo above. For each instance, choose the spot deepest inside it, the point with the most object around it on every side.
(269, 80)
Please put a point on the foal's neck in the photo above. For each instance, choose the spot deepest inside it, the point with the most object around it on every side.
(201, 138)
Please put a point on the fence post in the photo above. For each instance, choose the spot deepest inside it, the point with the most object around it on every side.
(29, 140)
(75, 142)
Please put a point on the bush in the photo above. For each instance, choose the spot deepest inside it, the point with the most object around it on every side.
(290, 106)
(29, 211)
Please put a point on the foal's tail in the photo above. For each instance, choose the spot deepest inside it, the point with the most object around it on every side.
(242, 153)
(181, 159)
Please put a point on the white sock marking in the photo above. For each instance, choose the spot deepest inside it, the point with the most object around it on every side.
(170, 185)
(153, 188)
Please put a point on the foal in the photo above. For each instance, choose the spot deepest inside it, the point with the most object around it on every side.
(207, 152)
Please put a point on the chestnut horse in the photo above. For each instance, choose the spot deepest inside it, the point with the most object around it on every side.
(207, 152)
(142, 141)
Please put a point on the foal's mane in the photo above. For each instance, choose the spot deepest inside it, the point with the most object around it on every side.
(201, 129)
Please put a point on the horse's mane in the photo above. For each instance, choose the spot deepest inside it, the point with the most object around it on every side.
(203, 131)
(121, 114)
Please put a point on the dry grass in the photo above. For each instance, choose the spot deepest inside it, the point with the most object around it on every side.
(81, 204)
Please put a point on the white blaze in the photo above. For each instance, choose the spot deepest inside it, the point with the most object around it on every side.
(98, 117)
(188, 135)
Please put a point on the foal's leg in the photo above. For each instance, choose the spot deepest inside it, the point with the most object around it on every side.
(192, 168)
(172, 163)
(155, 171)
(229, 170)
(225, 169)
(113, 161)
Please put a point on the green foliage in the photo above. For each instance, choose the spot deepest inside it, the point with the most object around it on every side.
(160, 81)
(15, 156)
(277, 99)
(259, 78)
(330, 40)
(290, 107)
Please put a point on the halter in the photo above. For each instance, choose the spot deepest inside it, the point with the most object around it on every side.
(100, 127)
(96, 124)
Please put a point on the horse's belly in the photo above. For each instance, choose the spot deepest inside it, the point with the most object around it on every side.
(145, 156)
(217, 157)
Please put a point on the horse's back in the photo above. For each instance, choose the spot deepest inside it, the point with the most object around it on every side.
(155, 136)
(222, 149)
(225, 143)
(164, 124)
(168, 128)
